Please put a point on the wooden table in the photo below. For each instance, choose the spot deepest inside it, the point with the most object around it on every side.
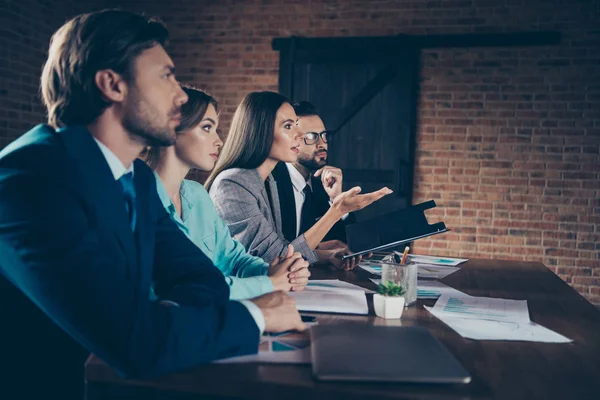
(500, 369)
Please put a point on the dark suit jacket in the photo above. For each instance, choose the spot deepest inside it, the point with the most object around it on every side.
(75, 279)
(320, 204)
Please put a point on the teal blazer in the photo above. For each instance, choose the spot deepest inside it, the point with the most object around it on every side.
(245, 274)
(75, 279)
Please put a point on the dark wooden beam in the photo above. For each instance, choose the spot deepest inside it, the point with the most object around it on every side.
(385, 43)
(341, 43)
(514, 39)
(286, 69)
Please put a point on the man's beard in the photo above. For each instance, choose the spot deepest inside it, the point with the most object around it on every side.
(142, 122)
(311, 163)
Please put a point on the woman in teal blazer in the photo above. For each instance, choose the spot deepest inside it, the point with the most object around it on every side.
(197, 146)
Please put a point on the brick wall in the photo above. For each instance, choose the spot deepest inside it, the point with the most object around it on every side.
(508, 145)
(26, 27)
(507, 138)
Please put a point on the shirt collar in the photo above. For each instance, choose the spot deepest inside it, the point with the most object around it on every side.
(186, 203)
(116, 166)
(166, 201)
(296, 177)
(162, 192)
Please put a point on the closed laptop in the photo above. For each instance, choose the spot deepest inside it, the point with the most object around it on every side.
(360, 352)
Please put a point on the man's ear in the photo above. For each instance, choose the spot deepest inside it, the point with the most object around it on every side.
(112, 86)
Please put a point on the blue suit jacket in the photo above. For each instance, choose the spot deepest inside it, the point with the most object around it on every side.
(75, 279)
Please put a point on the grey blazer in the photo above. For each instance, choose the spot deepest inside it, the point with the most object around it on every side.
(242, 202)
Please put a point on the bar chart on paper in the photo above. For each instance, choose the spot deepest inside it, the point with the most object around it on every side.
(464, 306)
(484, 318)
(429, 289)
(459, 307)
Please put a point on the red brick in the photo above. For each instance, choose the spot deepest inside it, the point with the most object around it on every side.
(522, 124)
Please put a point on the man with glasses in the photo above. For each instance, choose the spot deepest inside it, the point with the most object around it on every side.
(308, 186)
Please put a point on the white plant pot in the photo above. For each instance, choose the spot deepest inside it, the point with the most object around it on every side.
(388, 307)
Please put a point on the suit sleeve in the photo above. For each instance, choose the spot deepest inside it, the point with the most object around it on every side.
(247, 275)
(50, 250)
(239, 209)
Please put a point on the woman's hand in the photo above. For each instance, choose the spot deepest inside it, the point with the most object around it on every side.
(289, 273)
(350, 200)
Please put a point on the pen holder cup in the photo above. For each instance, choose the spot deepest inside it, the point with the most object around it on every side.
(403, 274)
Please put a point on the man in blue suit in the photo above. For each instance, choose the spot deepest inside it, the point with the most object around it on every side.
(89, 259)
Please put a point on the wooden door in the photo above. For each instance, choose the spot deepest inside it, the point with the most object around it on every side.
(367, 94)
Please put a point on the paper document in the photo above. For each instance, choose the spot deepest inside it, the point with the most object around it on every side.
(501, 330)
(483, 318)
(428, 289)
(465, 306)
(428, 271)
(447, 261)
(375, 269)
(332, 300)
(284, 348)
(335, 283)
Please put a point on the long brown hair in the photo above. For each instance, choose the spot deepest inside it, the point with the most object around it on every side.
(251, 134)
(192, 113)
(108, 39)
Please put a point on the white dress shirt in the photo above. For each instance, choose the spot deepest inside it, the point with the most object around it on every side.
(298, 183)
(116, 166)
(118, 170)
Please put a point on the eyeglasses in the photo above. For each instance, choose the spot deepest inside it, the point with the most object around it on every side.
(313, 137)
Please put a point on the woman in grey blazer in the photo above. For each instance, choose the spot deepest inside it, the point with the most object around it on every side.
(263, 132)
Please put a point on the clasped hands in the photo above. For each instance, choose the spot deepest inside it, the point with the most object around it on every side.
(289, 272)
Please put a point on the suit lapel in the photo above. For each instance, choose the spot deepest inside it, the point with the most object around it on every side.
(99, 185)
(287, 201)
(262, 190)
(261, 185)
(275, 203)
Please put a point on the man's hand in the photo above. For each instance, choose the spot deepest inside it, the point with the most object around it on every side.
(331, 177)
(291, 273)
(331, 245)
(351, 200)
(280, 312)
(332, 251)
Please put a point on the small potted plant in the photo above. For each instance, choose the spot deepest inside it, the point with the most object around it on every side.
(389, 300)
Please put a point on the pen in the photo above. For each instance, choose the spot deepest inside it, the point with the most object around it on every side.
(404, 255)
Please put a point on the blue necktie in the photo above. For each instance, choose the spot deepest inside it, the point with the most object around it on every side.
(128, 187)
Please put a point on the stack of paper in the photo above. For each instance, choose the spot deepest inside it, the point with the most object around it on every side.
(428, 289)
(373, 268)
(428, 271)
(445, 261)
(335, 283)
(331, 299)
(483, 318)
(432, 271)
